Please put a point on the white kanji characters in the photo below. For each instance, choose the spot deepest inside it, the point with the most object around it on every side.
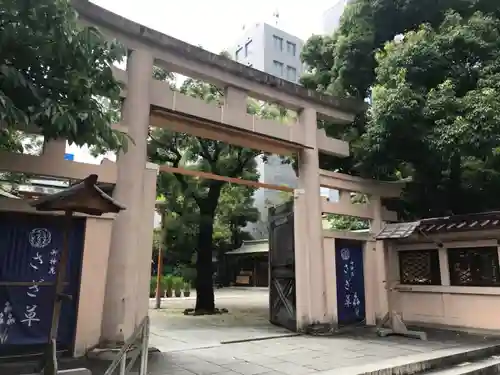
(34, 289)
(38, 259)
(348, 302)
(6, 316)
(7, 308)
(53, 261)
(355, 300)
(30, 315)
(6, 320)
(10, 319)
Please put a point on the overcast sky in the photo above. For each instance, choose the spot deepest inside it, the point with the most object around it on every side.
(215, 24)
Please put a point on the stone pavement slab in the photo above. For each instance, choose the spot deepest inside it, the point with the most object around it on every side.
(302, 355)
(248, 318)
(345, 354)
(205, 345)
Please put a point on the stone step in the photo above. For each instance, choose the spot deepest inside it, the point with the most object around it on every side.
(425, 363)
(76, 371)
(486, 366)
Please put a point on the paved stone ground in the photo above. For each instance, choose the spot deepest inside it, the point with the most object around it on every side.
(197, 344)
(292, 355)
(204, 345)
(248, 319)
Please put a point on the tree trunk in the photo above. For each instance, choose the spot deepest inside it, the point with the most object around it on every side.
(205, 301)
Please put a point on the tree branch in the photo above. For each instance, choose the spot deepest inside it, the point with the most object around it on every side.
(241, 166)
(205, 153)
(185, 185)
(217, 152)
(175, 163)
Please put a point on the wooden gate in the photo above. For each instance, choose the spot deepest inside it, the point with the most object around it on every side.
(282, 306)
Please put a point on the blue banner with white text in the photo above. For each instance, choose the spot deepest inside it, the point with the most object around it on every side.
(30, 250)
(350, 282)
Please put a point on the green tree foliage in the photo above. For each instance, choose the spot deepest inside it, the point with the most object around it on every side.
(234, 211)
(347, 223)
(54, 74)
(434, 89)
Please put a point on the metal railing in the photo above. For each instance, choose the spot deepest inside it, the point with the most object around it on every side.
(135, 346)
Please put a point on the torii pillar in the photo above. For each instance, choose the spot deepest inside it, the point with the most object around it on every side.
(309, 256)
(121, 304)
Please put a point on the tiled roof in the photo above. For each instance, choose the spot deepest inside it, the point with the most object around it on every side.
(398, 230)
(84, 197)
(251, 247)
(446, 224)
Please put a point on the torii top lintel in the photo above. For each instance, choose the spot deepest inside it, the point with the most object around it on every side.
(222, 70)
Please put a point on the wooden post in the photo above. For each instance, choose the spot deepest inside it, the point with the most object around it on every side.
(50, 358)
(254, 271)
(158, 277)
(159, 272)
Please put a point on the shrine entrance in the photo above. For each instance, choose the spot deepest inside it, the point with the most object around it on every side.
(281, 255)
(299, 256)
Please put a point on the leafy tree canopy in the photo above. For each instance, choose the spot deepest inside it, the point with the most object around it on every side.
(54, 75)
(434, 93)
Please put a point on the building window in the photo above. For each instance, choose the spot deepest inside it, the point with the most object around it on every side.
(291, 48)
(291, 73)
(278, 68)
(419, 267)
(238, 53)
(248, 49)
(278, 43)
(474, 266)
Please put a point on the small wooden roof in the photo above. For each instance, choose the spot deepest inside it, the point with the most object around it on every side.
(251, 247)
(84, 197)
(439, 225)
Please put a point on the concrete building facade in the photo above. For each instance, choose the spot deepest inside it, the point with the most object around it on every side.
(331, 17)
(272, 171)
(271, 50)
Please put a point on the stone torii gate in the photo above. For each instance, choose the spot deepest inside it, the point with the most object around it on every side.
(149, 102)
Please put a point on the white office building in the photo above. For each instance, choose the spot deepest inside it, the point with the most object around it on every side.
(331, 17)
(269, 49)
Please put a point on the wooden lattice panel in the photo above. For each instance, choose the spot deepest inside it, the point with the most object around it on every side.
(419, 267)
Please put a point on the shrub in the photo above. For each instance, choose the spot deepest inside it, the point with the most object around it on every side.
(152, 286)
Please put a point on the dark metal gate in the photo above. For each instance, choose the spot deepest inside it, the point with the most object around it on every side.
(282, 306)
